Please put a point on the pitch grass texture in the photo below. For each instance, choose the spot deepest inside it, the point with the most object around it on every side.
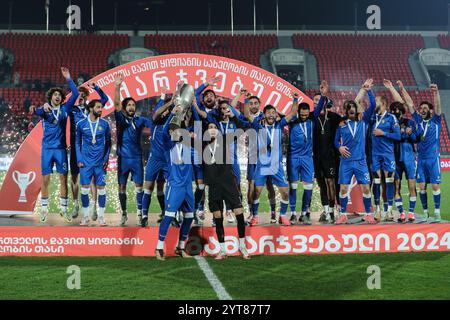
(113, 204)
(403, 276)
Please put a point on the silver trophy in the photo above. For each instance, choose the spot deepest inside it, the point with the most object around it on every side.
(184, 97)
(23, 180)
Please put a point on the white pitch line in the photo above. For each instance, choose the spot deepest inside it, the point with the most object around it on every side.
(213, 280)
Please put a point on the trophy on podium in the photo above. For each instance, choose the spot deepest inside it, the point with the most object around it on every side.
(184, 97)
(23, 180)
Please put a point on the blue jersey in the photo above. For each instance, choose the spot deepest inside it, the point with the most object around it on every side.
(54, 122)
(229, 126)
(129, 131)
(301, 132)
(181, 170)
(157, 136)
(269, 140)
(353, 134)
(404, 149)
(382, 145)
(93, 150)
(428, 134)
(78, 113)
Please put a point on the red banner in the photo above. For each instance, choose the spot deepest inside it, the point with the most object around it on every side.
(143, 79)
(445, 164)
(274, 240)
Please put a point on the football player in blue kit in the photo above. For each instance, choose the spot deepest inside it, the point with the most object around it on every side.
(93, 145)
(156, 168)
(405, 154)
(300, 164)
(129, 150)
(54, 116)
(428, 118)
(179, 194)
(76, 113)
(269, 160)
(350, 140)
(385, 132)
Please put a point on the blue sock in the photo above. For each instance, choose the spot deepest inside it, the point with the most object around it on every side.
(293, 199)
(376, 193)
(399, 204)
(437, 199)
(198, 196)
(424, 200)
(367, 200)
(102, 200)
(85, 200)
(412, 203)
(164, 227)
(385, 206)
(139, 195)
(390, 191)
(255, 207)
(283, 207)
(344, 201)
(185, 228)
(306, 200)
(146, 199)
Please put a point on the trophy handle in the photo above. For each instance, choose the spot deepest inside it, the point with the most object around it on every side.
(32, 179)
(14, 176)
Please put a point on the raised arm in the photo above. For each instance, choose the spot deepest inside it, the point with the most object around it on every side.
(202, 87)
(436, 98)
(358, 99)
(103, 97)
(397, 97)
(200, 113)
(367, 87)
(73, 88)
(118, 79)
(406, 97)
(161, 107)
(241, 93)
(324, 89)
(294, 109)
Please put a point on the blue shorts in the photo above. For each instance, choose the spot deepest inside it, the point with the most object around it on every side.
(408, 167)
(49, 157)
(237, 172)
(127, 166)
(278, 179)
(251, 172)
(386, 162)
(429, 171)
(198, 172)
(354, 167)
(301, 168)
(179, 199)
(96, 172)
(156, 166)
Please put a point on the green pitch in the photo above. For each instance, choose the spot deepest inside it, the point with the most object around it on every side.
(113, 205)
(403, 276)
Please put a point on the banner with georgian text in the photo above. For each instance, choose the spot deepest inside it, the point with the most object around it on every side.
(261, 240)
(143, 79)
